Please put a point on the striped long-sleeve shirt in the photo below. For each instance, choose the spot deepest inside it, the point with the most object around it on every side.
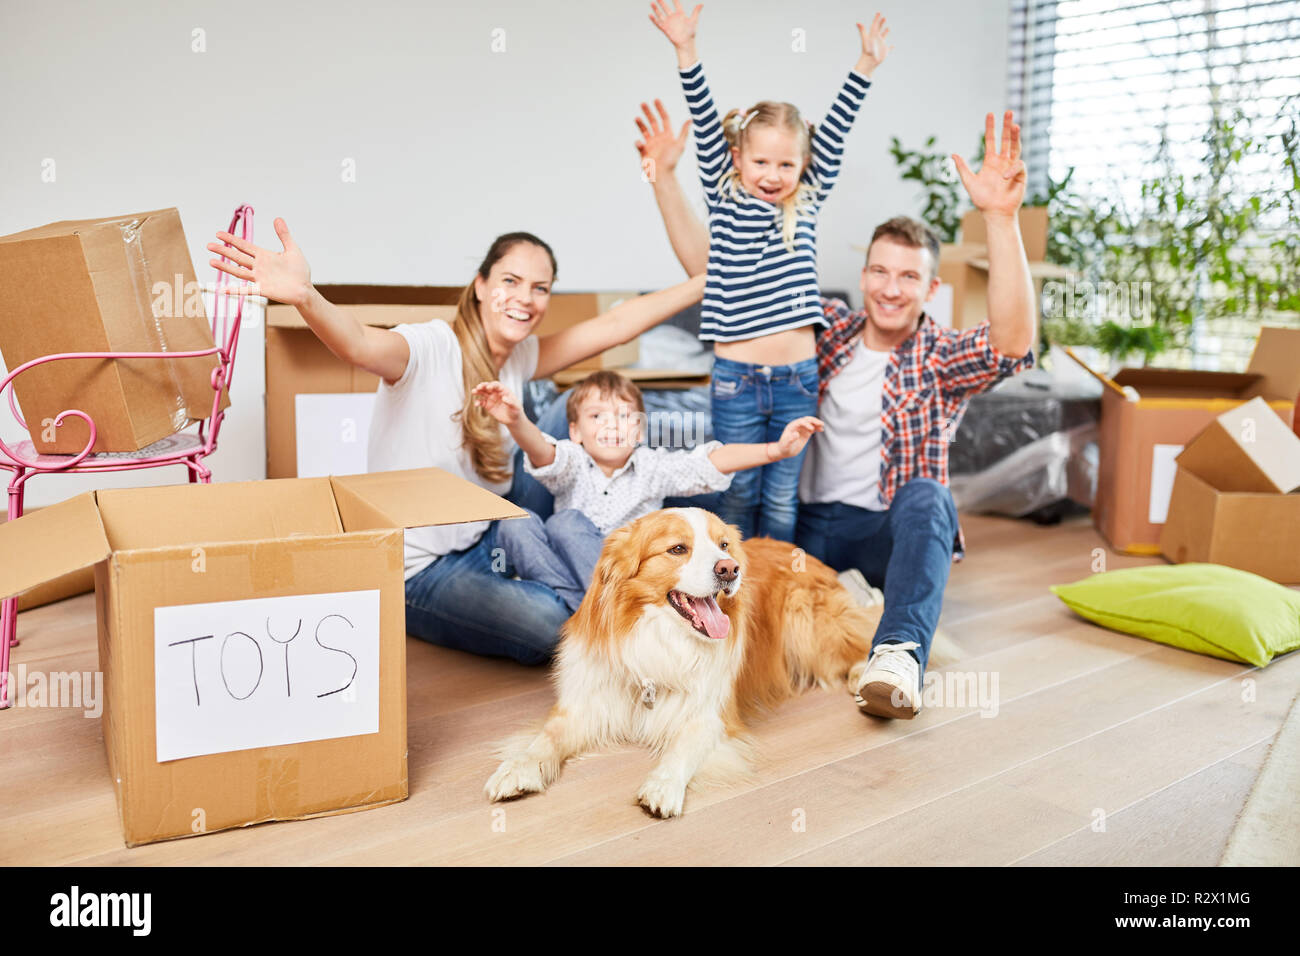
(755, 285)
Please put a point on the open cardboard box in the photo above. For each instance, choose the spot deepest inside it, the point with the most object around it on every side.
(119, 284)
(1235, 499)
(251, 636)
(1142, 431)
(334, 399)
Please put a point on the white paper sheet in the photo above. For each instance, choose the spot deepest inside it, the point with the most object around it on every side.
(1162, 481)
(332, 432)
(236, 675)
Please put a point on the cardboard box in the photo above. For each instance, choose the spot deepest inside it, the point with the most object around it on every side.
(64, 586)
(251, 636)
(1139, 440)
(297, 364)
(965, 265)
(122, 284)
(1234, 499)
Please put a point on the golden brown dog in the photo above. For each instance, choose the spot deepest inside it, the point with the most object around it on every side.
(684, 633)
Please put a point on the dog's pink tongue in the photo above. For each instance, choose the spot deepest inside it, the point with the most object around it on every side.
(716, 624)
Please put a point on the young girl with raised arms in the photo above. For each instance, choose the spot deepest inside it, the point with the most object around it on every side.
(765, 174)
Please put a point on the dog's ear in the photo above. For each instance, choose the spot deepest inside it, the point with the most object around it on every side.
(596, 618)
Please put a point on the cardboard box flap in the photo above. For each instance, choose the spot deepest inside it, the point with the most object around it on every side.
(413, 499)
(1246, 449)
(379, 316)
(1179, 383)
(179, 515)
(1276, 359)
(68, 227)
(51, 542)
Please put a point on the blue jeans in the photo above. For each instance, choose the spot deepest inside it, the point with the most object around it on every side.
(560, 552)
(906, 551)
(468, 600)
(753, 404)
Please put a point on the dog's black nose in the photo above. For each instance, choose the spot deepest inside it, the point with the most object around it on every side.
(726, 569)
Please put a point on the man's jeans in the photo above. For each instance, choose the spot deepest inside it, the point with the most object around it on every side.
(752, 404)
(906, 551)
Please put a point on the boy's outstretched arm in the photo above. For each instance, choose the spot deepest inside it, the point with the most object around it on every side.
(997, 191)
(738, 457)
(504, 405)
(660, 150)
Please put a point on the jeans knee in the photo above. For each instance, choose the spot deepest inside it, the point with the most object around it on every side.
(570, 521)
(929, 498)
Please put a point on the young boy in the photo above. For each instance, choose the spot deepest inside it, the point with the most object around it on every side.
(602, 477)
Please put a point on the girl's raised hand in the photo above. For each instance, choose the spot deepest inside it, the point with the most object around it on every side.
(499, 402)
(999, 187)
(657, 143)
(874, 49)
(797, 433)
(675, 24)
(283, 276)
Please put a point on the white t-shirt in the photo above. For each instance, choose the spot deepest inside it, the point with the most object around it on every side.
(843, 461)
(413, 427)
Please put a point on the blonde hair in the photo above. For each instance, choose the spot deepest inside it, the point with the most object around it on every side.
(736, 126)
(480, 432)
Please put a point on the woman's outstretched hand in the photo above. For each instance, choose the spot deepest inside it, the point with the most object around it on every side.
(283, 276)
(658, 145)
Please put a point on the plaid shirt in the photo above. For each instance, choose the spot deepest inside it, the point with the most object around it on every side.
(928, 383)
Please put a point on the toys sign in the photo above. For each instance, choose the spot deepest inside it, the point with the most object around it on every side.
(237, 675)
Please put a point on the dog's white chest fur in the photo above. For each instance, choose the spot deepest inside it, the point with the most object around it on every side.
(688, 678)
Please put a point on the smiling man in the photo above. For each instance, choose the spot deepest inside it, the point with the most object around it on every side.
(894, 385)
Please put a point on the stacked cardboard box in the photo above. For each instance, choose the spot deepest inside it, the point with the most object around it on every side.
(1235, 499)
(1149, 414)
(965, 265)
(120, 284)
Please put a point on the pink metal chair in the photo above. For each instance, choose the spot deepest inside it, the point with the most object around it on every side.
(183, 448)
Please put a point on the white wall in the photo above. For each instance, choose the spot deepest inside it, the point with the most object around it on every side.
(452, 143)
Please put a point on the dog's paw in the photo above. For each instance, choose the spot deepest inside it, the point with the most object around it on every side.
(515, 777)
(662, 797)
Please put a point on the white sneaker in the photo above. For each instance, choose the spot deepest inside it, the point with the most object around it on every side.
(891, 684)
(863, 593)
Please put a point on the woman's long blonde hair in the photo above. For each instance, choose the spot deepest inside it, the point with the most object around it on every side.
(783, 116)
(480, 432)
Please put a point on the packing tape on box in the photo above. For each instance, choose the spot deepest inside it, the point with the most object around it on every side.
(270, 566)
(142, 286)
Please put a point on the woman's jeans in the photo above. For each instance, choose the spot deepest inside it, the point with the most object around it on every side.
(752, 404)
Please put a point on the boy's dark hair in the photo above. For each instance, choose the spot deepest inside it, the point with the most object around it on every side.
(603, 383)
(912, 233)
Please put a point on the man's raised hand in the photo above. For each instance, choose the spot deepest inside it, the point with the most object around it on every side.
(999, 187)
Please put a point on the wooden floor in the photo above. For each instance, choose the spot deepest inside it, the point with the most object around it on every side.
(1105, 749)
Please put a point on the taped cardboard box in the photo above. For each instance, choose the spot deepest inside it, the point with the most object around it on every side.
(251, 636)
(121, 284)
(298, 365)
(1144, 429)
(1235, 499)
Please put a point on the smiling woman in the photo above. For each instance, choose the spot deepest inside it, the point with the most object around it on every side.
(459, 592)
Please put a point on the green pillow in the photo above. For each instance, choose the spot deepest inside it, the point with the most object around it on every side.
(1206, 608)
